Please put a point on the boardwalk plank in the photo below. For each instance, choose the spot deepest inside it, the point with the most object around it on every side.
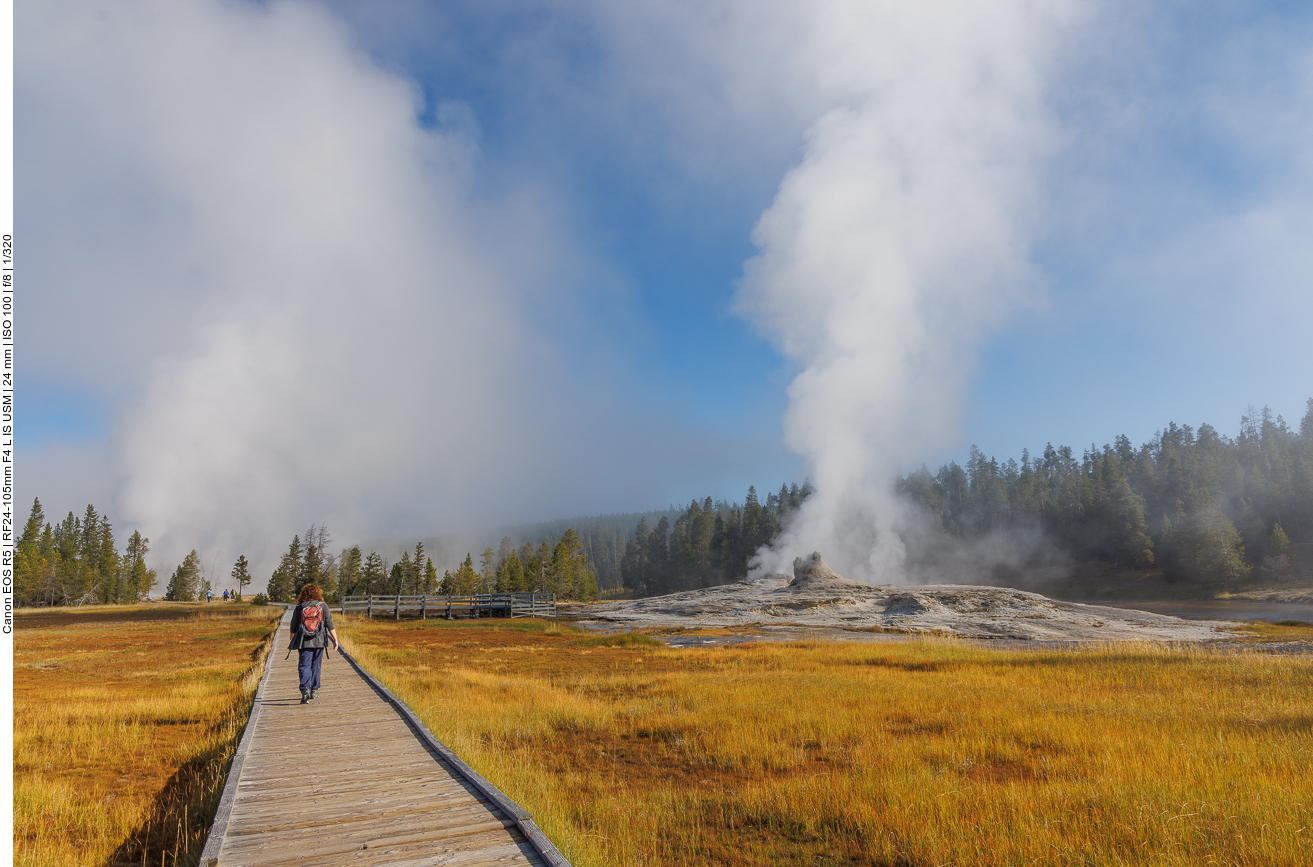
(285, 787)
(380, 813)
(489, 841)
(362, 835)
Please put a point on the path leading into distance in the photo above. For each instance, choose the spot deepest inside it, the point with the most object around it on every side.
(354, 778)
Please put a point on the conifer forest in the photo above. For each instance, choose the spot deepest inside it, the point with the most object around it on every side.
(1192, 505)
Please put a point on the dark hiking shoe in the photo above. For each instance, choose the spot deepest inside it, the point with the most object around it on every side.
(305, 698)
(314, 693)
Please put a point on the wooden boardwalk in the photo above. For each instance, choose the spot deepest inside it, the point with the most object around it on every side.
(353, 778)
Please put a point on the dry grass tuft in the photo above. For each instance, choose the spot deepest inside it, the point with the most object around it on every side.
(125, 721)
(919, 753)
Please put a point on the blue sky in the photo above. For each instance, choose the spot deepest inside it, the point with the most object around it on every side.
(1124, 338)
(592, 175)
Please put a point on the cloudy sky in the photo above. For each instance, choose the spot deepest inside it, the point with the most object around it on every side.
(414, 267)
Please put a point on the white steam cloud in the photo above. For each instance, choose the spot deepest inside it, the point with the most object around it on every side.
(320, 321)
(308, 309)
(895, 244)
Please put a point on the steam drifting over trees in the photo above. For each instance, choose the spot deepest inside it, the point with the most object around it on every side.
(1193, 503)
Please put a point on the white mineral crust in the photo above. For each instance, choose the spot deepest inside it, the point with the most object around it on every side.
(816, 596)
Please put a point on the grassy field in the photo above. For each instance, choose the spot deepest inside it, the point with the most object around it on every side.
(921, 753)
(125, 718)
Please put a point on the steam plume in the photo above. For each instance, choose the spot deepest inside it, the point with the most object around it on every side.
(335, 325)
(894, 245)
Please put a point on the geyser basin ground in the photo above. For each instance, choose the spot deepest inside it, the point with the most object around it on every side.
(817, 597)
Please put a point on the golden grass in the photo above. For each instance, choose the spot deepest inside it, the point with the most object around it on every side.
(125, 720)
(925, 752)
(1294, 631)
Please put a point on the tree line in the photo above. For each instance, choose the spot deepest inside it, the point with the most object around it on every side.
(561, 569)
(76, 561)
(1193, 504)
(601, 537)
(709, 543)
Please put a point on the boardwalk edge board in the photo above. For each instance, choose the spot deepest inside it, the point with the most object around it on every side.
(210, 854)
(522, 818)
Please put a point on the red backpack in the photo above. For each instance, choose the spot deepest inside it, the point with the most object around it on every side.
(312, 620)
(312, 617)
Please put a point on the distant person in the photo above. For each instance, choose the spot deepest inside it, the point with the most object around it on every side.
(312, 627)
(225, 594)
(209, 595)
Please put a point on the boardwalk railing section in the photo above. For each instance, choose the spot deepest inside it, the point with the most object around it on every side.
(475, 605)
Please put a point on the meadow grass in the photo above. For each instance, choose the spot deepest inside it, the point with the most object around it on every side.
(125, 720)
(924, 752)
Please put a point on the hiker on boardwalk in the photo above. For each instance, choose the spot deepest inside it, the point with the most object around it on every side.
(312, 626)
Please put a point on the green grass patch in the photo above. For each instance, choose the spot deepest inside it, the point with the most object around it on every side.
(618, 639)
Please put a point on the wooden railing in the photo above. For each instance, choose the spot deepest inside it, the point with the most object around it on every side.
(475, 605)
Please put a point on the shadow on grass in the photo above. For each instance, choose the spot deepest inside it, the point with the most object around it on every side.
(177, 824)
(179, 820)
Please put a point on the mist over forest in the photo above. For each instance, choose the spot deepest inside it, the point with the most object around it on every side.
(1193, 510)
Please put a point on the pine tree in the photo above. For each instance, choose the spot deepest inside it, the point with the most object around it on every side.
(504, 549)
(1208, 545)
(466, 579)
(110, 566)
(535, 571)
(1276, 564)
(186, 580)
(568, 574)
(31, 560)
(137, 579)
(349, 576)
(510, 574)
(313, 557)
(1278, 543)
(286, 581)
(657, 575)
(403, 575)
(633, 567)
(374, 574)
(53, 567)
(430, 577)
(88, 576)
(417, 567)
(241, 573)
(487, 570)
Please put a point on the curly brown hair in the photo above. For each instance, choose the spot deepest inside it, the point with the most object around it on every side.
(308, 592)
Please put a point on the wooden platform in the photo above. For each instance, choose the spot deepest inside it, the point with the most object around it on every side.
(353, 778)
(472, 605)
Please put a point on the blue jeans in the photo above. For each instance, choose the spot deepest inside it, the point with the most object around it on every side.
(308, 667)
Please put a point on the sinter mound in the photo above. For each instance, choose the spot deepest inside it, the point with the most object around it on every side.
(811, 573)
(817, 596)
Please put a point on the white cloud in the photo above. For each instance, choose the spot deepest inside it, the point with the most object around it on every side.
(311, 316)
